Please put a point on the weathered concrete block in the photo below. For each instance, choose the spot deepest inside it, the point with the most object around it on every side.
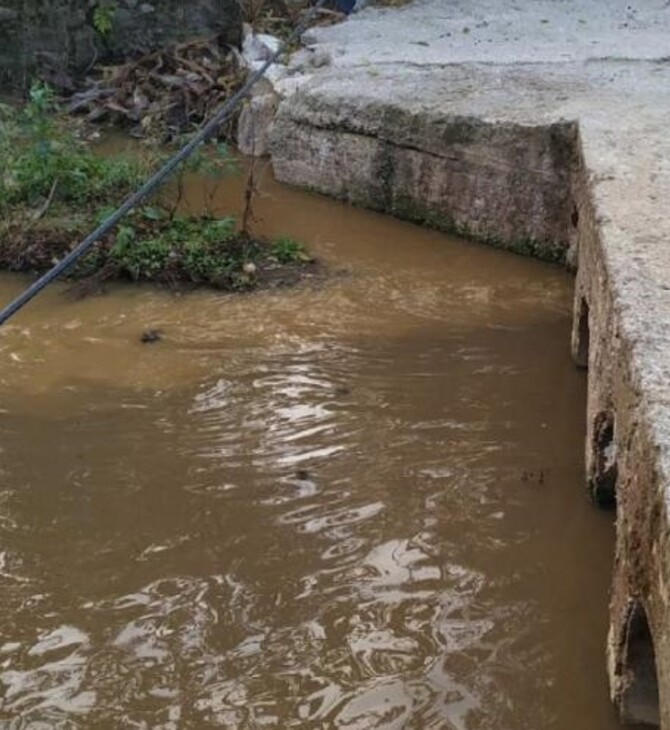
(7, 15)
(507, 184)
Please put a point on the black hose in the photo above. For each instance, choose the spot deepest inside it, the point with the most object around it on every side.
(204, 134)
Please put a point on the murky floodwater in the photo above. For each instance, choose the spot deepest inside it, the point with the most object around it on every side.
(353, 506)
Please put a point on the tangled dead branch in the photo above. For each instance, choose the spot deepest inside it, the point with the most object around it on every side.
(165, 93)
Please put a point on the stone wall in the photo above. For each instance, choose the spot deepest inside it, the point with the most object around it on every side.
(56, 36)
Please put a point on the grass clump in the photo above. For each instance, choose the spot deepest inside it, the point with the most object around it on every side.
(153, 246)
(287, 250)
(54, 190)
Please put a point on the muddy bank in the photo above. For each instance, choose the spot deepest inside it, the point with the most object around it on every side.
(55, 189)
(187, 252)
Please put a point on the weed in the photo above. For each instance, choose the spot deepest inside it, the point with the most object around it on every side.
(53, 190)
(145, 259)
(197, 247)
(287, 250)
(103, 18)
(41, 159)
(214, 162)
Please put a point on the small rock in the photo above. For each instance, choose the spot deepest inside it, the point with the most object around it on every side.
(259, 47)
(302, 474)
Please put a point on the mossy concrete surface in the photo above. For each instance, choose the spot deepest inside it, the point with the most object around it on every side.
(507, 184)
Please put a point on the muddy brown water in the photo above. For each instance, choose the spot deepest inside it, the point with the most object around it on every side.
(357, 504)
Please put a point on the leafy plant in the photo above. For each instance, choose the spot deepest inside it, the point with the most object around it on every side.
(54, 190)
(287, 250)
(151, 243)
(145, 259)
(41, 159)
(103, 18)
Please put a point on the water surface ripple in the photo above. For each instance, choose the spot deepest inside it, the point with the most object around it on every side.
(356, 505)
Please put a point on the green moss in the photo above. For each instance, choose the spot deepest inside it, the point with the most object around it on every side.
(461, 130)
(407, 208)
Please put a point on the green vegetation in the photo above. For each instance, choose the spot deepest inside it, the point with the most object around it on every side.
(153, 246)
(40, 160)
(54, 190)
(287, 250)
(103, 17)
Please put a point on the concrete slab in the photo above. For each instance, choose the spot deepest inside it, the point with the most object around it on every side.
(439, 32)
(548, 117)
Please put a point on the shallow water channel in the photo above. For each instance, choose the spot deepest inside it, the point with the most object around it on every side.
(355, 504)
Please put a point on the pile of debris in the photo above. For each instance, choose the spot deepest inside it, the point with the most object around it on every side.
(169, 92)
(165, 93)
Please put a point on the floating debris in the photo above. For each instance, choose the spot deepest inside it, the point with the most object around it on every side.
(151, 336)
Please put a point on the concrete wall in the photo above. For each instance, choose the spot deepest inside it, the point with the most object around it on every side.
(484, 151)
(507, 185)
(623, 470)
(57, 35)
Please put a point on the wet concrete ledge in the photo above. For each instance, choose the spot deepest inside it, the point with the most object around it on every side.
(568, 160)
